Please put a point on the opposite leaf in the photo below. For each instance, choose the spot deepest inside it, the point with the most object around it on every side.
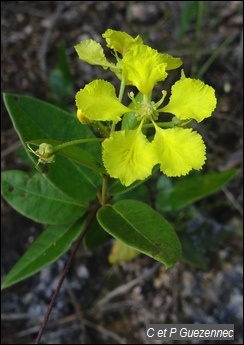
(140, 227)
(48, 247)
(35, 198)
(190, 189)
(33, 119)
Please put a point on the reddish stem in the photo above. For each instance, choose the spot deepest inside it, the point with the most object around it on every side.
(64, 274)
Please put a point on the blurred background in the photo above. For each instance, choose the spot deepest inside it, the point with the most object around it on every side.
(38, 59)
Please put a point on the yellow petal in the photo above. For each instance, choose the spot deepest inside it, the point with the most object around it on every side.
(143, 67)
(98, 102)
(121, 252)
(172, 62)
(120, 41)
(128, 155)
(191, 99)
(178, 150)
(84, 120)
(92, 52)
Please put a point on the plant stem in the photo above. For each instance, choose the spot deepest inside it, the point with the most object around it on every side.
(64, 274)
(121, 90)
(160, 124)
(75, 142)
(104, 189)
(102, 128)
(121, 94)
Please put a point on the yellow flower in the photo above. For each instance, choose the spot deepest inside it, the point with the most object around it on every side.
(84, 120)
(92, 52)
(128, 155)
(178, 150)
(120, 41)
(143, 67)
(98, 102)
(191, 99)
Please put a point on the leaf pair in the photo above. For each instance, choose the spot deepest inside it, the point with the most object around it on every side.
(132, 222)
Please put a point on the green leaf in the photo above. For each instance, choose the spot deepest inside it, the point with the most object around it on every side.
(60, 80)
(173, 197)
(189, 15)
(140, 227)
(35, 198)
(140, 193)
(192, 254)
(96, 236)
(24, 158)
(48, 247)
(117, 188)
(34, 119)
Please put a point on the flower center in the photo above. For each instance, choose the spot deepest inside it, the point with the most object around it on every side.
(146, 111)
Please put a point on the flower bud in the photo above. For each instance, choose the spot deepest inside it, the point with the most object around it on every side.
(82, 118)
(45, 153)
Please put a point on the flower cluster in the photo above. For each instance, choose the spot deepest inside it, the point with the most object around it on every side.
(130, 150)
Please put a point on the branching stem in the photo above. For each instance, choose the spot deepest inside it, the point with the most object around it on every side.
(63, 276)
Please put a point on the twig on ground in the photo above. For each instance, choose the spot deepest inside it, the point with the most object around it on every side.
(46, 38)
(232, 199)
(14, 316)
(84, 322)
(123, 289)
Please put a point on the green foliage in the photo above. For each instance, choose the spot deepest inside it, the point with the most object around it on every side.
(192, 254)
(175, 196)
(96, 236)
(35, 198)
(139, 226)
(48, 247)
(101, 168)
(74, 153)
(60, 79)
(30, 118)
(189, 14)
(129, 119)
